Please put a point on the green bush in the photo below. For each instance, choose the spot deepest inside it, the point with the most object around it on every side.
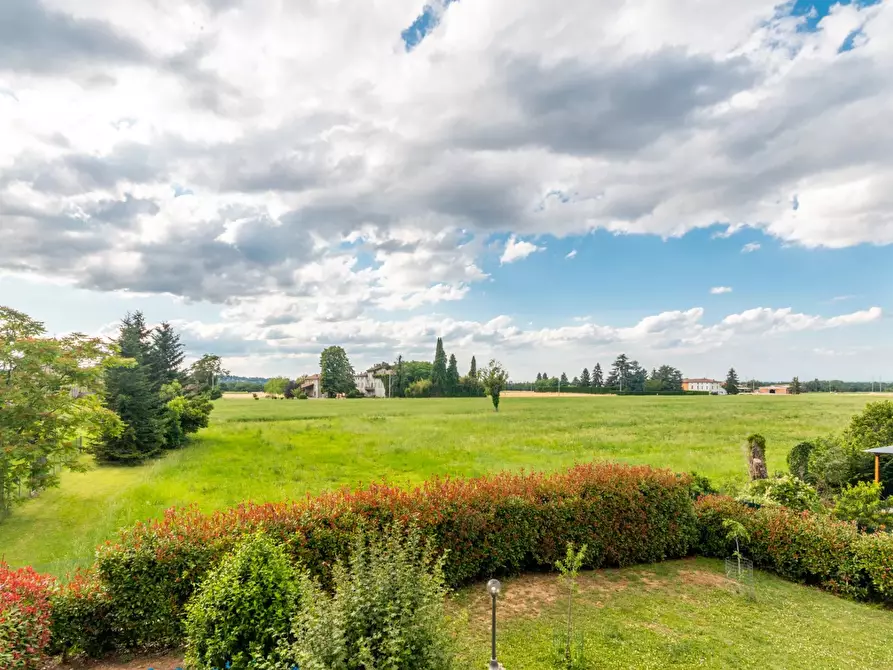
(701, 486)
(798, 460)
(863, 504)
(835, 462)
(785, 490)
(503, 523)
(301, 396)
(81, 618)
(243, 609)
(386, 611)
(354, 393)
(419, 389)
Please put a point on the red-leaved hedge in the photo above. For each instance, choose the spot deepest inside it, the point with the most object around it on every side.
(803, 547)
(498, 524)
(24, 617)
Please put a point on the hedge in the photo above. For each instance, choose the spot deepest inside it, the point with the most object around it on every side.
(24, 617)
(491, 525)
(803, 547)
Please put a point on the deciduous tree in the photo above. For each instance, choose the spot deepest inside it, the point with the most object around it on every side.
(50, 395)
(336, 372)
(494, 380)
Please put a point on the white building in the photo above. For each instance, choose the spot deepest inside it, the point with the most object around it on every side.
(370, 385)
(708, 385)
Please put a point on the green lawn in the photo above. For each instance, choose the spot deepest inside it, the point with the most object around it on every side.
(271, 450)
(678, 614)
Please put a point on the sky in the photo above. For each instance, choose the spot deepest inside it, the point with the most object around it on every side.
(699, 183)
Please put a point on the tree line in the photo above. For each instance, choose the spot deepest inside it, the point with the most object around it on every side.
(122, 401)
(624, 376)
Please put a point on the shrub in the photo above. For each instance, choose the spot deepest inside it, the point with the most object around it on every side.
(24, 618)
(834, 462)
(301, 396)
(81, 617)
(354, 393)
(502, 523)
(243, 608)
(419, 389)
(386, 611)
(799, 546)
(701, 486)
(863, 504)
(785, 490)
(798, 460)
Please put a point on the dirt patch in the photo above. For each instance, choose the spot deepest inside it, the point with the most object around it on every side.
(703, 578)
(659, 628)
(159, 662)
(535, 394)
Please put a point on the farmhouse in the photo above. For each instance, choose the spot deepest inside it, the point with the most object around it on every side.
(310, 386)
(709, 385)
(774, 389)
(369, 383)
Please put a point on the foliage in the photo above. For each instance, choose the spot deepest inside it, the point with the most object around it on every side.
(439, 381)
(568, 568)
(24, 618)
(420, 389)
(873, 427)
(731, 385)
(276, 386)
(494, 379)
(701, 486)
(585, 379)
(834, 462)
(796, 388)
(49, 398)
(786, 490)
(386, 611)
(164, 356)
(289, 391)
(503, 523)
(863, 504)
(597, 378)
(798, 460)
(473, 369)
(756, 456)
(803, 547)
(301, 396)
(204, 373)
(354, 393)
(336, 372)
(243, 609)
(81, 621)
(452, 376)
(666, 379)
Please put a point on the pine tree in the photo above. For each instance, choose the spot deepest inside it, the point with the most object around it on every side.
(585, 380)
(731, 384)
(130, 394)
(473, 370)
(165, 355)
(563, 379)
(452, 385)
(575, 381)
(539, 376)
(620, 373)
(795, 386)
(598, 380)
(439, 369)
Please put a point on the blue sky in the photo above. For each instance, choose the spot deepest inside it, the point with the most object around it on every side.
(704, 184)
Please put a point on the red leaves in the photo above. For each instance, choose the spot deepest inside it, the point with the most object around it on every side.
(24, 617)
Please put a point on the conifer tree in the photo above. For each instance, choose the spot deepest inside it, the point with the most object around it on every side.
(439, 369)
(473, 370)
(452, 385)
(598, 380)
(584, 378)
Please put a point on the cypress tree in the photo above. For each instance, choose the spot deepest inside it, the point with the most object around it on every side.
(452, 376)
(473, 370)
(439, 370)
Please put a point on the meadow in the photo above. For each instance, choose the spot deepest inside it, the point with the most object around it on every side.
(265, 450)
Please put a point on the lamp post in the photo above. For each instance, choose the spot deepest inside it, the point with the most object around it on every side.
(493, 588)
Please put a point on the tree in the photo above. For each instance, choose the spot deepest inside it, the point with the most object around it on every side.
(130, 393)
(539, 376)
(635, 381)
(795, 386)
(452, 376)
(598, 380)
(289, 391)
(398, 382)
(619, 375)
(276, 386)
(665, 379)
(473, 370)
(575, 381)
(50, 395)
(439, 369)
(204, 374)
(336, 372)
(494, 380)
(585, 380)
(731, 384)
(165, 355)
(563, 379)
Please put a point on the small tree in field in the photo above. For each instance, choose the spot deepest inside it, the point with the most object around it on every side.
(731, 384)
(494, 379)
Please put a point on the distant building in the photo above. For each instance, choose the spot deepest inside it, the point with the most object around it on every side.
(774, 389)
(310, 386)
(369, 383)
(708, 385)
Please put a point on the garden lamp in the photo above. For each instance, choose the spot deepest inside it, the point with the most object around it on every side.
(493, 588)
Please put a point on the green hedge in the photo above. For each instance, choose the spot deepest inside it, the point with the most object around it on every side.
(803, 547)
(492, 525)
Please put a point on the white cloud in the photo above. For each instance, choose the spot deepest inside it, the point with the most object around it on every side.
(516, 250)
(750, 247)
(572, 254)
(719, 290)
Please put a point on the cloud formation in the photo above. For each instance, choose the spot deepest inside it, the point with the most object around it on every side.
(750, 247)
(516, 250)
(719, 290)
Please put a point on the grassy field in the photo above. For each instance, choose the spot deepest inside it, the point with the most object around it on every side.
(272, 450)
(678, 614)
